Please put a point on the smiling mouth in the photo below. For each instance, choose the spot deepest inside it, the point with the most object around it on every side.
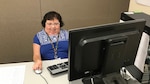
(53, 29)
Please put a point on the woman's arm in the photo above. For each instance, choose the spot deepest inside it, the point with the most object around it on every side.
(37, 57)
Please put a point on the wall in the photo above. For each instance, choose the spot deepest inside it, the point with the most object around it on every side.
(138, 7)
(20, 20)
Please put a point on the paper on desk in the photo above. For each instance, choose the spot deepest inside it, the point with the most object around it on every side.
(142, 52)
(12, 74)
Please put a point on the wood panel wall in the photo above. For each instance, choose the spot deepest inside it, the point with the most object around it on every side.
(20, 20)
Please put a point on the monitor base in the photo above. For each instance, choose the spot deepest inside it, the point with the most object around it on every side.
(113, 78)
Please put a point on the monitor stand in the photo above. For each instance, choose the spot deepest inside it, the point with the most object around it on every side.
(113, 78)
(97, 79)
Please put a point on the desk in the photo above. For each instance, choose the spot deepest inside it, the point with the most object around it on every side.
(32, 78)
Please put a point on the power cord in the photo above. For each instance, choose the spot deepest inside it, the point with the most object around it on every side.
(44, 78)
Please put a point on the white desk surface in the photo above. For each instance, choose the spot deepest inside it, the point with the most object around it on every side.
(32, 78)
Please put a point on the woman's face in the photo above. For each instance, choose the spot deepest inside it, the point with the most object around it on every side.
(52, 27)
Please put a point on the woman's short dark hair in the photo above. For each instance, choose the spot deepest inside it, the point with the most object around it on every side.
(51, 16)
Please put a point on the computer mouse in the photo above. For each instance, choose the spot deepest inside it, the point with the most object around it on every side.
(38, 71)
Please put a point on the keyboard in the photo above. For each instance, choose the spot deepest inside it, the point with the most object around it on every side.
(58, 68)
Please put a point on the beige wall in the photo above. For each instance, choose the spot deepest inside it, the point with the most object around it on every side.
(78, 13)
(136, 7)
(20, 20)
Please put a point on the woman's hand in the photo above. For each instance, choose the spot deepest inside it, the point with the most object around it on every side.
(37, 65)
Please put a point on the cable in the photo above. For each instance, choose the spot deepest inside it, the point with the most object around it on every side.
(92, 81)
(44, 78)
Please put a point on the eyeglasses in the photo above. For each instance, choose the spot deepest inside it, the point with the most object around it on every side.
(51, 24)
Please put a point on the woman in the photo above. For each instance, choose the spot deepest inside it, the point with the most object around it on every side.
(51, 42)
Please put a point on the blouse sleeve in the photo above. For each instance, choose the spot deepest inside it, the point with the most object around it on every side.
(36, 40)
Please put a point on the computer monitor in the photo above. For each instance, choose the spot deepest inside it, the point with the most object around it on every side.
(103, 49)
